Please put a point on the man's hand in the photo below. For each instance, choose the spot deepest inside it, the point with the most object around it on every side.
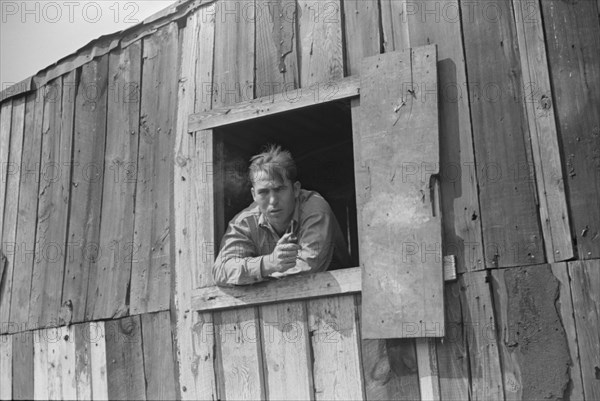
(283, 257)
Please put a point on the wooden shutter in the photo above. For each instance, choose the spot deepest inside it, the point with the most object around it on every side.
(397, 162)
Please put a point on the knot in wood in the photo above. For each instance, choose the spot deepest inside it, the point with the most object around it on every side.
(545, 102)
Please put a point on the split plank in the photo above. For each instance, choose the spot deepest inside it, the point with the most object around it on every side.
(276, 47)
(151, 270)
(342, 281)
(86, 190)
(585, 289)
(480, 326)
(320, 41)
(542, 131)
(361, 32)
(194, 335)
(239, 357)
(120, 161)
(422, 23)
(335, 340)
(124, 359)
(572, 37)
(287, 351)
(22, 383)
(26, 219)
(530, 325)
(83, 365)
(398, 130)
(6, 367)
(511, 231)
(98, 361)
(159, 364)
(10, 208)
(394, 24)
(561, 272)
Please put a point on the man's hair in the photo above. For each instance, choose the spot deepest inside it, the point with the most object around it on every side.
(273, 163)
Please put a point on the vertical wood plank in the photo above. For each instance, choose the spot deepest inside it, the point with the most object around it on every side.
(83, 366)
(239, 357)
(67, 355)
(276, 47)
(54, 365)
(529, 325)
(86, 190)
(542, 131)
(361, 32)
(124, 359)
(511, 230)
(10, 207)
(159, 365)
(40, 365)
(585, 288)
(561, 272)
(120, 161)
(287, 351)
(22, 385)
(6, 367)
(320, 37)
(194, 332)
(151, 272)
(428, 369)
(98, 361)
(5, 122)
(335, 339)
(27, 214)
(394, 24)
(572, 37)
(480, 326)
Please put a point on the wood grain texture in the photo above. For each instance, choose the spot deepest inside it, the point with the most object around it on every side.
(98, 361)
(120, 163)
(361, 32)
(194, 339)
(585, 289)
(40, 366)
(53, 362)
(399, 219)
(159, 364)
(529, 324)
(567, 317)
(239, 357)
(343, 281)
(394, 24)
(511, 230)
(572, 37)
(419, 24)
(5, 122)
(151, 271)
(83, 363)
(429, 381)
(320, 41)
(6, 367)
(11, 208)
(276, 47)
(287, 351)
(67, 355)
(22, 383)
(543, 131)
(335, 339)
(482, 343)
(86, 190)
(27, 214)
(124, 359)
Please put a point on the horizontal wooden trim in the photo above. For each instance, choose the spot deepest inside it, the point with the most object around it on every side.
(286, 101)
(343, 281)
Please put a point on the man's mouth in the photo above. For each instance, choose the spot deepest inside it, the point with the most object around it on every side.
(274, 211)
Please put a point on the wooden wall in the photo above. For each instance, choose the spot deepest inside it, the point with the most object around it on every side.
(87, 212)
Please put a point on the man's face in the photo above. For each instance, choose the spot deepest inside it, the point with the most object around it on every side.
(276, 200)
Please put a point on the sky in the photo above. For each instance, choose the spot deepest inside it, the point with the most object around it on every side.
(36, 33)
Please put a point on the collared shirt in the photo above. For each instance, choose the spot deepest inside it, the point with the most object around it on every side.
(250, 238)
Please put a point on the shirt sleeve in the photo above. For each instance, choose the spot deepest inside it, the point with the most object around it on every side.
(238, 262)
(316, 243)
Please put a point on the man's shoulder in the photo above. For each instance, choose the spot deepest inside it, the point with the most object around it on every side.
(313, 202)
(250, 213)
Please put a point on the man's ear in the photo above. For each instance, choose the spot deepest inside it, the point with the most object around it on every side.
(253, 193)
(297, 187)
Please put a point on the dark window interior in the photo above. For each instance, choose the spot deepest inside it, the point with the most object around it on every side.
(320, 140)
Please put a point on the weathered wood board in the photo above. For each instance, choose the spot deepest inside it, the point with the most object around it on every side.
(120, 166)
(511, 230)
(159, 367)
(98, 361)
(6, 367)
(361, 32)
(151, 270)
(86, 190)
(83, 364)
(399, 218)
(22, 383)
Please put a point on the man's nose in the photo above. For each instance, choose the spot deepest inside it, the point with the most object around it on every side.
(273, 199)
